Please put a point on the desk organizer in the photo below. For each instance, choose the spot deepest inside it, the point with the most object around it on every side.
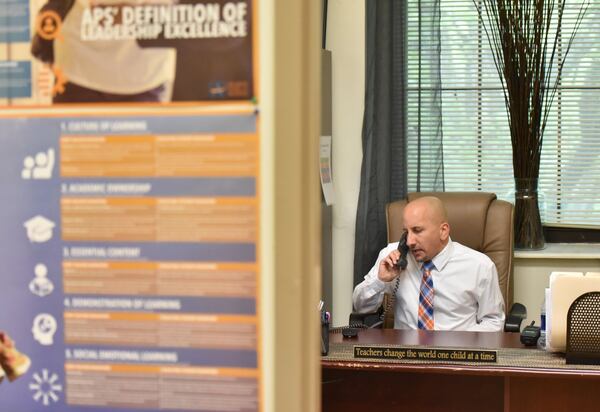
(583, 330)
(324, 336)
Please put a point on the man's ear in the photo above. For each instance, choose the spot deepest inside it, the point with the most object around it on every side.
(444, 231)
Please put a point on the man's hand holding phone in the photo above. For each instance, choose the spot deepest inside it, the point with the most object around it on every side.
(388, 267)
(395, 262)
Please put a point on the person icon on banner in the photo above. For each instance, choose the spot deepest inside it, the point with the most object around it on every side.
(41, 285)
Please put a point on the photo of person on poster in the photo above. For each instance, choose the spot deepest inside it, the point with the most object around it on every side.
(112, 70)
(146, 50)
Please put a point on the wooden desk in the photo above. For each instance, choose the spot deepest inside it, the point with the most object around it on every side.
(353, 385)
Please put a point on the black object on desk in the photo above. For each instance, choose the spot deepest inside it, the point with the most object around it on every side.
(349, 332)
(530, 335)
(583, 330)
(324, 335)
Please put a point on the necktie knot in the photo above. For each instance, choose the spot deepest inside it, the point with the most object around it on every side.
(428, 266)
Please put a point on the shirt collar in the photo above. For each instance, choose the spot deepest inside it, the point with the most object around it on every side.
(441, 259)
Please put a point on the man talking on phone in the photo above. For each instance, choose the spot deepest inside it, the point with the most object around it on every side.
(445, 286)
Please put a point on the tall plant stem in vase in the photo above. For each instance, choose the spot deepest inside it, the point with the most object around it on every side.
(524, 37)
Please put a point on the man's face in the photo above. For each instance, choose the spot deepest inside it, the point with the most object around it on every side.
(426, 234)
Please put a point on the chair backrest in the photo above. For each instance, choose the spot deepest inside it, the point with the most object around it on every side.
(478, 220)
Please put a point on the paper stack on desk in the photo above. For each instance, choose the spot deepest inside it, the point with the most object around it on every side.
(565, 287)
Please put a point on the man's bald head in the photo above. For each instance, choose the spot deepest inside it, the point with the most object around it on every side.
(431, 206)
(426, 221)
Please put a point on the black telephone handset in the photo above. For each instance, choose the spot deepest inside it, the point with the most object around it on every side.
(403, 249)
(401, 264)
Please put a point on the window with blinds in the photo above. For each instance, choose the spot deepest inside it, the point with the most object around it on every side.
(477, 152)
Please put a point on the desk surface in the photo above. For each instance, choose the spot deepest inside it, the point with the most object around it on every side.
(514, 359)
(356, 385)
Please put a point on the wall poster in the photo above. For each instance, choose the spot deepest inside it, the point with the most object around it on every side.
(129, 262)
(114, 51)
(130, 228)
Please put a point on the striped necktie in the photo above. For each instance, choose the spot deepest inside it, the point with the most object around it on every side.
(426, 298)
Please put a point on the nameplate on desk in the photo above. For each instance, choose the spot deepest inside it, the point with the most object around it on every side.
(425, 354)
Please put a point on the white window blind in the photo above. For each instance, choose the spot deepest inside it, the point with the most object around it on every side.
(476, 142)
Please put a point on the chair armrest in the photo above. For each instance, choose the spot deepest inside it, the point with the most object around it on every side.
(517, 313)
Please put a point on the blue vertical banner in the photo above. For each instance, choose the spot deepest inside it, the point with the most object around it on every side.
(130, 270)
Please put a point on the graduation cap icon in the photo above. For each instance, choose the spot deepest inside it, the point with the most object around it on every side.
(39, 229)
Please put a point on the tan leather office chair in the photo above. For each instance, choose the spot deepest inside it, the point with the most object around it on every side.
(478, 220)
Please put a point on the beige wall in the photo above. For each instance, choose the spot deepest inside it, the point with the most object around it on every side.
(346, 40)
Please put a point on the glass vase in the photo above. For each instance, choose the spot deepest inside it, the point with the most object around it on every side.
(529, 233)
